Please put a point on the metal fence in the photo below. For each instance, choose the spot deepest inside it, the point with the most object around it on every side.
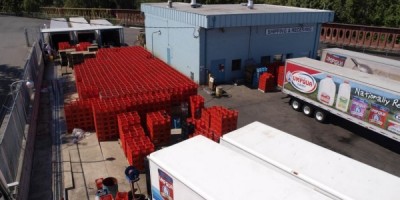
(13, 130)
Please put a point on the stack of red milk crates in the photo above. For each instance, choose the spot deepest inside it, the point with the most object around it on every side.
(214, 122)
(120, 80)
(63, 45)
(82, 46)
(105, 118)
(201, 127)
(79, 115)
(137, 150)
(196, 104)
(222, 120)
(281, 75)
(266, 82)
(135, 144)
(128, 125)
(159, 127)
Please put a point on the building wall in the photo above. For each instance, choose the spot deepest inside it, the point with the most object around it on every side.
(253, 43)
(178, 44)
(194, 51)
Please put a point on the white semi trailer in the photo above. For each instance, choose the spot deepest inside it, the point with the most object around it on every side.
(342, 177)
(318, 89)
(379, 66)
(199, 168)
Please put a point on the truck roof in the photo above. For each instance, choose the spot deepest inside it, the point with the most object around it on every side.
(216, 172)
(317, 165)
(372, 58)
(361, 77)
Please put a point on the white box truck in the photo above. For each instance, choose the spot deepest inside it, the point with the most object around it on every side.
(199, 168)
(318, 88)
(338, 175)
(376, 65)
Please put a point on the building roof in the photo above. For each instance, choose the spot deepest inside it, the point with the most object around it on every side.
(90, 28)
(78, 22)
(58, 23)
(236, 15)
(100, 22)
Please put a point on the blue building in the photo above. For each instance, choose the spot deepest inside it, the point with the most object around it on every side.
(222, 39)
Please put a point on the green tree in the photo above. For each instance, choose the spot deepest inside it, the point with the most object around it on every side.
(74, 4)
(31, 5)
(13, 6)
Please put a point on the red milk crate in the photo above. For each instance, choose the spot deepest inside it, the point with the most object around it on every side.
(281, 76)
(159, 127)
(137, 149)
(196, 104)
(222, 120)
(107, 197)
(121, 196)
(266, 82)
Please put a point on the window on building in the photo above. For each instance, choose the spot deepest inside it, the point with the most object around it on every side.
(265, 60)
(236, 64)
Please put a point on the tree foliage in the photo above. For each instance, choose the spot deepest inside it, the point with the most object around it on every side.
(363, 12)
(11, 6)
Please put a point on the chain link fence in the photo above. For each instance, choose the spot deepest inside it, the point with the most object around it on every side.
(14, 136)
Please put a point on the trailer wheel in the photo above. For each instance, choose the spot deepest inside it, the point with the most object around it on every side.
(320, 116)
(307, 110)
(296, 104)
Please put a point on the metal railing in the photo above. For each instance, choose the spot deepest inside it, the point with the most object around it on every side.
(15, 142)
(362, 37)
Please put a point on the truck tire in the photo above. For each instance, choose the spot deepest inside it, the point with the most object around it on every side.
(320, 116)
(307, 110)
(296, 104)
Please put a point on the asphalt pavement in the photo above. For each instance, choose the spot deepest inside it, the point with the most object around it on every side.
(14, 48)
(338, 135)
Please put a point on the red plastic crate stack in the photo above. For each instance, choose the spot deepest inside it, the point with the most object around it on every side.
(266, 82)
(137, 149)
(82, 46)
(122, 196)
(129, 127)
(127, 120)
(78, 114)
(125, 80)
(107, 197)
(206, 117)
(215, 122)
(223, 120)
(88, 92)
(196, 104)
(105, 111)
(130, 71)
(135, 144)
(105, 118)
(201, 128)
(146, 103)
(63, 45)
(135, 132)
(281, 75)
(159, 127)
